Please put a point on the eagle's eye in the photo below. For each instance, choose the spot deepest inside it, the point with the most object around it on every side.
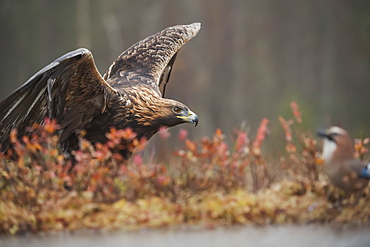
(176, 109)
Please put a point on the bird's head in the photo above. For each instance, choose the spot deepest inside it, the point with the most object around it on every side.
(151, 113)
(337, 144)
(172, 112)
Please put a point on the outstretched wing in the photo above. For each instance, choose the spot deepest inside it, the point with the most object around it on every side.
(70, 90)
(150, 60)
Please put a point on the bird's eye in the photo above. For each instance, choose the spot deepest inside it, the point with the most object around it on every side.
(176, 109)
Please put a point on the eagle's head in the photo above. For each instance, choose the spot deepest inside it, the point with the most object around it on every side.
(149, 114)
(170, 112)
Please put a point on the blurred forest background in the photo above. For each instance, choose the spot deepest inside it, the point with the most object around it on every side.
(250, 59)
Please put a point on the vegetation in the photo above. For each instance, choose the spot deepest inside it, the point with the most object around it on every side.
(207, 182)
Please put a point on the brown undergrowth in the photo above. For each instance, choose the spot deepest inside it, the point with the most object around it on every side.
(207, 182)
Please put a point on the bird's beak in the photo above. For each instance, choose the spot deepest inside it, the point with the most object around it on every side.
(322, 134)
(190, 118)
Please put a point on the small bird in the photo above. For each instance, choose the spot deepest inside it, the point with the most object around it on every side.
(345, 172)
(73, 92)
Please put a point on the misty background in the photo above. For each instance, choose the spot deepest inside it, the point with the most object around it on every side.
(249, 61)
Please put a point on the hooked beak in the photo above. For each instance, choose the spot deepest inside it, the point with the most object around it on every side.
(190, 118)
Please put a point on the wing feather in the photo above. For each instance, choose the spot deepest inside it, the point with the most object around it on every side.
(70, 90)
(150, 60)
(359, 167)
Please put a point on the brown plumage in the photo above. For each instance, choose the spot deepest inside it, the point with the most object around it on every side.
(344, 171)
(72, 91)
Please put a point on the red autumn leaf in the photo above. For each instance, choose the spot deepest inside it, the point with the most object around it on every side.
(164, 133)
(296, 113)
(190, 145)
(241, 140)
(261, 133)
(183, 133)
(163, 179)
(138, 160)
(218, 132)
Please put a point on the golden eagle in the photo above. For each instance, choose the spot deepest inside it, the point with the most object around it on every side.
(72, 91)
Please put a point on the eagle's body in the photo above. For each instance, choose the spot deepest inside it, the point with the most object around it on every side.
(72, 91)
